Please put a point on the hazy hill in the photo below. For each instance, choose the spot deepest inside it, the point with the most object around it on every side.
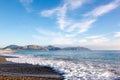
(47, 48)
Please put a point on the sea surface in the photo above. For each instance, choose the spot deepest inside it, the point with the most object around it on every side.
(75, 65)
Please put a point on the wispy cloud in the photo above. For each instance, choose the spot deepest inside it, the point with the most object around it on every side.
(93, 42)
(97, 39)
(26, 4)
(81, 26)
(70, 35)
(74, 4)
(82, 41)
(94, 37)
(69, 24)
(117, 34)
(100, 40)
(101, 10)
(55, 38)
(106, 44)
(61, 11)
(62, 41)
(118, 24)
(73, 28)
(48, 13)
(47, 32)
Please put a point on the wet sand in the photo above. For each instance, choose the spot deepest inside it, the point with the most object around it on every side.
(2, 60)
(19, 71)
(6, 77)
(6, 51)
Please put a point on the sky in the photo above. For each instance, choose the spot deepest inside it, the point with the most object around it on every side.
(94, 24)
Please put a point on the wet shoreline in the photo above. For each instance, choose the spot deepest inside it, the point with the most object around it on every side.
(19, 71)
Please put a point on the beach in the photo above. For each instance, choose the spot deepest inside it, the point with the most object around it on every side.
(6, 51)
(2, 60)
(35, 65)
(24, 71)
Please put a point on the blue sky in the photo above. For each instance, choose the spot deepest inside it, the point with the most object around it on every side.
(90, 23)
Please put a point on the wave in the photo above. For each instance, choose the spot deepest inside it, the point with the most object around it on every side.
(71, 70)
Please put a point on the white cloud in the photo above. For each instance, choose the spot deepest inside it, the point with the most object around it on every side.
(100, 40)
(93, 37)
(74, 4)
(70, 35)
(82, 41)
(117, 34)
(92, 42)
(73, 28)
(41, 40)
(104, 9)
(48, 13)
(62, 41)
(105, 45)
(81, 26)
(47, 32)
(26, 4)
(61, 17)
(118, 24)
(54, 38)
(97, 39)
(61, 11)
(69, 25)
(38, 37)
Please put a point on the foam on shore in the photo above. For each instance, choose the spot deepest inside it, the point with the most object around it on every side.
(71, 70)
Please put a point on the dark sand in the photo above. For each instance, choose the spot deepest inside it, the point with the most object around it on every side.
(2, 60)
(7, 77)
(16, 71)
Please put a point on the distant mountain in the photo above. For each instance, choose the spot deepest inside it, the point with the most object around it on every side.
(33, 47)
(13, 47)
(27, 47)
(47, 48)
(77, 49)
(52, 48)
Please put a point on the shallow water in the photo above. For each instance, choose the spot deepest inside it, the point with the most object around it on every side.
(108, 56)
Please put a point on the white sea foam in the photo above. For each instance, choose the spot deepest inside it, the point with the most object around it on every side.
(72, 70)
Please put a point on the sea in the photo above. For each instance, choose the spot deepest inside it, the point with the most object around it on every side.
(74, 65)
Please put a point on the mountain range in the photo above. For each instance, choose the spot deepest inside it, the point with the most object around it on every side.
(46, 48)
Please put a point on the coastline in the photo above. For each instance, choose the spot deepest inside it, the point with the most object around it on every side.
(5, 51)
(7, 77)
(2, 60)
(20, 71)
(72, 70)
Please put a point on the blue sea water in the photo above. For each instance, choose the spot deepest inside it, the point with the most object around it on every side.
(108, 56)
